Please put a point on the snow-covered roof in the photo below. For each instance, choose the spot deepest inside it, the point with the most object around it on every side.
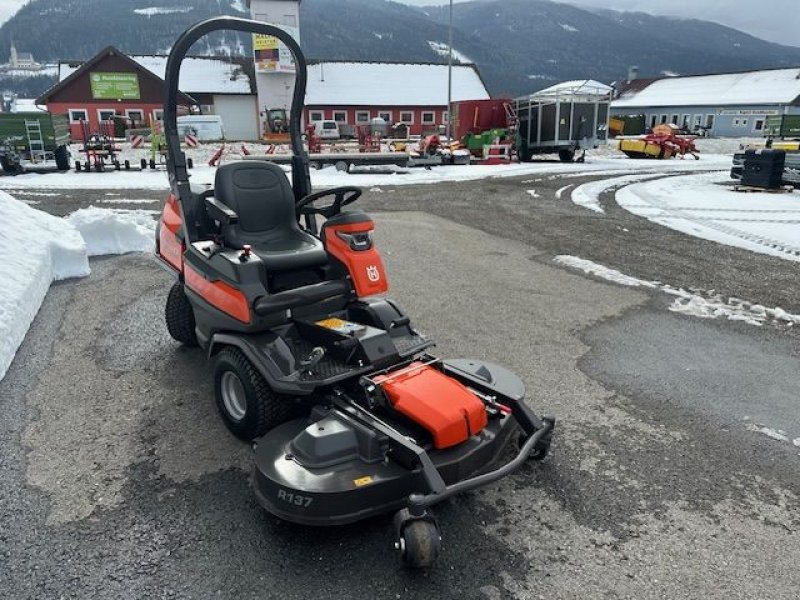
(575, 87)
(390, 84)
(776, 86)
(199, 74)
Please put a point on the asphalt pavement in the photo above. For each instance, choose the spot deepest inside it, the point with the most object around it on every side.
(118, 480)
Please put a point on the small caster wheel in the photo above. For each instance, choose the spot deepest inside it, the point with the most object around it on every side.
(127, 165)
(418, 539)
(152, 164)
(189, 163)
(117, 165)
(78, 166)
(144, 164)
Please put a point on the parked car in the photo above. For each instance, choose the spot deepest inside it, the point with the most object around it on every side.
(327, 130)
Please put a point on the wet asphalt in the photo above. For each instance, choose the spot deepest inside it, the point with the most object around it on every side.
(117, 479)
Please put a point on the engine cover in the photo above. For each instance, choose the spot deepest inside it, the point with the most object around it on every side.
(436, 402)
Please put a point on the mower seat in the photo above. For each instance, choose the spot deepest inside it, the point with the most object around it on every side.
(260, 194)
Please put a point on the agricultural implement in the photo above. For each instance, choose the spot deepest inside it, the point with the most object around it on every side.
(33, 139)
(664, 142)
(100, 149)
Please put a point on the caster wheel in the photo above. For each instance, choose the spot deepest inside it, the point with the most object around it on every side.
(77, 166)
(419, 544)
(127, 165)
(179, 316)
(144, 164)
(189, 163)
(117, 166)
(152, 164)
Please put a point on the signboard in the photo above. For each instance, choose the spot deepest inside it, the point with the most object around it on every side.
(115, 86)
(750, 112)
(271, 55)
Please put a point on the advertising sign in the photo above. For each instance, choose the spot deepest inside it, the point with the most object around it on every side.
(272, 56)
(115, 86)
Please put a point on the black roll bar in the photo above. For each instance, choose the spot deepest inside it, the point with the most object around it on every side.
(176, 159)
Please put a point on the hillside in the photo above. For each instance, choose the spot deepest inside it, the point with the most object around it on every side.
(519, 45)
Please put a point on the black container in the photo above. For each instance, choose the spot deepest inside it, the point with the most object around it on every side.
(763, 168)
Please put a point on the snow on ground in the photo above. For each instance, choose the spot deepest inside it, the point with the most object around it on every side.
(695, 304)
(37, 249)
(588, 194)
(114, 231)
(699, 205)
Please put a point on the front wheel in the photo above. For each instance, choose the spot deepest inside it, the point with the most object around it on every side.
(419, 543)
(247, 404)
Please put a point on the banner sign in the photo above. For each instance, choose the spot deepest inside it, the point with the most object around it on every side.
(115, 86)
(271, 55)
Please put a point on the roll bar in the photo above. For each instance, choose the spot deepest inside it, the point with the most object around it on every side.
(176, 159)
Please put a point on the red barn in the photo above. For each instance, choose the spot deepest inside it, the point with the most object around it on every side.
(110, 84)
(411, 93)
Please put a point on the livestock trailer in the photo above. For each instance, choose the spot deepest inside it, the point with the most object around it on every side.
(33, 138)
(563, 119)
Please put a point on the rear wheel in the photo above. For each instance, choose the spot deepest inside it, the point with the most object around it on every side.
(244, 399)
(7, 165)
(180, 316)
(566, 155)
(62, 158)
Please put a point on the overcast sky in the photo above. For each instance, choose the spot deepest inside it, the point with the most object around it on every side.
(774, 20)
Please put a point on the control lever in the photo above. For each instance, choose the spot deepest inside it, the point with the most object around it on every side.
(309, 362)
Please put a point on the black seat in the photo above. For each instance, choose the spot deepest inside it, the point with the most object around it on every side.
(260, 194)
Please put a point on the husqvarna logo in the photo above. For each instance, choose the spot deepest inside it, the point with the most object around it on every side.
(373, 274)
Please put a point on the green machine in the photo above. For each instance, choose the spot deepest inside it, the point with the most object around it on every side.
(782, 126)
(33, 138)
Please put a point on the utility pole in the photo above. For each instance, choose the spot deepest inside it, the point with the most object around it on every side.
(450, 77)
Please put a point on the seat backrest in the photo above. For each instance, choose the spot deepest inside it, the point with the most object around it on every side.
(260, 193)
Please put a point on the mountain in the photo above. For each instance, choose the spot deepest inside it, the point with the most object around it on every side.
(520, 45)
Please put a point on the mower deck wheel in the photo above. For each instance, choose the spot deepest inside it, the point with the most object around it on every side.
(180, 316)
(419, 543)
(248, 406)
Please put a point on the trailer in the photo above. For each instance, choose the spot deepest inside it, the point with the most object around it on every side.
(563, 119)
(782, 126)
(33, 139)
(343, 161)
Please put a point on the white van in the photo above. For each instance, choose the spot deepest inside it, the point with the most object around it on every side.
(327, 130)
(207, 128)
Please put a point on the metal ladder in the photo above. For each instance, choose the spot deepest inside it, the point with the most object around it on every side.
(512, 120)
(35, 141)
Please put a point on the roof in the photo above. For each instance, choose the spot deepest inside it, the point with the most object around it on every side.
(345, 83)
(76, 69)
(774, 86)
(573, 88)
(199, 74)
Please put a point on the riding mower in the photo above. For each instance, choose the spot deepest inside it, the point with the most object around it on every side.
(348, 413)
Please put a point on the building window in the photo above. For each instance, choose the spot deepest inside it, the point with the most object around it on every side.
(698, 121)
(386, 116)
(135, 116)
(158, 114)
(428, 118)
(759, 125)
(663, 119)
(362, 116)
(76, 115)
(316, 115)
(407, 117)
(105, 114)
(685, 123)
(674, 119)
(445, 117)
(709, 121)
(744, 122)
(340, 116)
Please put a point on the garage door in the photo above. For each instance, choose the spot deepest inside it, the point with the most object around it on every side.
(239, 116)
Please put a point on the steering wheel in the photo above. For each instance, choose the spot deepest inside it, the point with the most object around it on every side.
(342, 197)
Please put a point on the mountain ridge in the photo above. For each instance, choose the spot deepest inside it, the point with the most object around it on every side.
(520, 46)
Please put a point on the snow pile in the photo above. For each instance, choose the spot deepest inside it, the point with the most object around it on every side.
(702, 206)
(693, 304)
(444, 50)
(114, 231)
(776, 434)
(37, 249)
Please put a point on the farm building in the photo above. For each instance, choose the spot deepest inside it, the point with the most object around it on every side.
(414, 94)
(724, 104)
(114, 85)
